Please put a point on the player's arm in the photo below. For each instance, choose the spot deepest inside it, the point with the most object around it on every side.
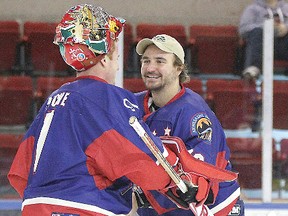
(19, 171)
(121, 152)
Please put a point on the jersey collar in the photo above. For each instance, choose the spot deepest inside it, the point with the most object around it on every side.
(148, 101)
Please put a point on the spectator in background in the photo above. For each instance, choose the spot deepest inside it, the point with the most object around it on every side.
(251, 30)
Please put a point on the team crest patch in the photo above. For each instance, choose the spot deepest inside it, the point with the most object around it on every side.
(202, 125)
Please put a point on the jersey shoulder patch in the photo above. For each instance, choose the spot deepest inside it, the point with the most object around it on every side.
(202, 126)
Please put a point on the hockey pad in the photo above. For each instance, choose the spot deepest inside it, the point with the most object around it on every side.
(196, 166)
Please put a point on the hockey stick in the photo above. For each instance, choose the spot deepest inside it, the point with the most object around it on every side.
(133, 121)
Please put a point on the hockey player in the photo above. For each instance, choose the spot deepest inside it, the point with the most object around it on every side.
(80, 154)
(169, 109)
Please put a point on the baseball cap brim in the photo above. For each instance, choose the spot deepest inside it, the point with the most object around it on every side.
(144, 43)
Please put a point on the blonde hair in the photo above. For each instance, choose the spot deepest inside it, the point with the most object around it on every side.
(184, 76)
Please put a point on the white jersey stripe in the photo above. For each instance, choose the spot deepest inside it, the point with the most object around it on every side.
(226, 202)
(60, 202)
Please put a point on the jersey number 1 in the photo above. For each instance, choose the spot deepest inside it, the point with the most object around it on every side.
(42, 138)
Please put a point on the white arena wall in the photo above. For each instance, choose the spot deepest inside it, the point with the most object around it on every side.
(187, 12)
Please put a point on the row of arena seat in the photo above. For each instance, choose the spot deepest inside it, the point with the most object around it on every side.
(9, 37)
(209, 49)
(246, 158)
(29, 47)
(236, 103)
(9, 143)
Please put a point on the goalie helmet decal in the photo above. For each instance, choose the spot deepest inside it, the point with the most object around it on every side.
(202, 126)
(85, 33)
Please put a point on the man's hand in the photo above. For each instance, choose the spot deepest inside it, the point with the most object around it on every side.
(280, 29)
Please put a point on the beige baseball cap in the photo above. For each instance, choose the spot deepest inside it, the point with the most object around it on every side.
(163, 42)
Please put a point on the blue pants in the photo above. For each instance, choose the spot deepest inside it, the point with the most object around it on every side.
(254, 49)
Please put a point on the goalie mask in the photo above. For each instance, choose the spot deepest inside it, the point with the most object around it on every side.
(85, 33)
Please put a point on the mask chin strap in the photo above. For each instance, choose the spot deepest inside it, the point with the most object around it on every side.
(88, 63)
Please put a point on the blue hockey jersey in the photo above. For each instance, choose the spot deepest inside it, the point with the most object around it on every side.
(81, 153)
(188, 116)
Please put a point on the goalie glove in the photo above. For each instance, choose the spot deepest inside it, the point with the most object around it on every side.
(202, 179)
